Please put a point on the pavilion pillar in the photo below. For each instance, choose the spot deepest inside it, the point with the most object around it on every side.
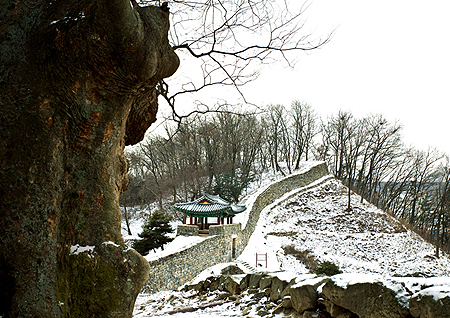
(190, 219)
(218, 220)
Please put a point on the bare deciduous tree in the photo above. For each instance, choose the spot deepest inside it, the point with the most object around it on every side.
(383, 145)
(443, 202)
(228, 41)
(277, 136)
(304, 129)
(335, 135)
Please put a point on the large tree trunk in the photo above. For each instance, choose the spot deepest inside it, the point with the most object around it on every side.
(77, 84)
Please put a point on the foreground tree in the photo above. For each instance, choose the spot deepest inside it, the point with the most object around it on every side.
(77, 84)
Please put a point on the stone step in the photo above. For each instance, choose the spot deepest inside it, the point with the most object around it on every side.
(250, 268)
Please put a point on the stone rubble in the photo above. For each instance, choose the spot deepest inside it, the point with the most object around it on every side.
(267, 296)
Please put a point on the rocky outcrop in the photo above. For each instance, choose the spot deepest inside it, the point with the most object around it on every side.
(425, 305)
(232, 270)
(278, 295)
(268, 295)
(304, 298)
(369, 300)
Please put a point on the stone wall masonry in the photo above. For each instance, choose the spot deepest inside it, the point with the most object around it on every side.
(174, 270)
(187, 230)
(225, 229)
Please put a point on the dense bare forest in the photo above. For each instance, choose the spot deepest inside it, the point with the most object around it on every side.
(223, 152)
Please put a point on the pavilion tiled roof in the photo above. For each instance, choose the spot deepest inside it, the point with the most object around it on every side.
(209, 206)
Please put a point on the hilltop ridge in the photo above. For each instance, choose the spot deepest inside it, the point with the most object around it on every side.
(315, 226)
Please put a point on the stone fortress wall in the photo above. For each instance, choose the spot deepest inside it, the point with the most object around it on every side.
(226, 242)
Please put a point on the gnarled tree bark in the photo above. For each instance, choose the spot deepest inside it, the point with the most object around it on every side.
(77, 84)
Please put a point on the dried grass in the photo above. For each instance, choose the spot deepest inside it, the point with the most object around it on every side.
(291, 233)
(305, 256)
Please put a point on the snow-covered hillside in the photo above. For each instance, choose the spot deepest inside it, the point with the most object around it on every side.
(363, 240)
(314, 226)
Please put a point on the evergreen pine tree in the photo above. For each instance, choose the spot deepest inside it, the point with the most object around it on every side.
(230, 186)
(154, 233)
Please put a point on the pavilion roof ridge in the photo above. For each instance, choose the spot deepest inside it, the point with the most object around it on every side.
(209, 205)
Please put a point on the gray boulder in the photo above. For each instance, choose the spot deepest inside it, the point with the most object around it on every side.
(334, 310)
(254, 280)
(367, 300)
(265, 282)
(303, 298)
(244, 282)
(425, 306)
(309, 314)
(347, 315)
(287, 290)
(276, 288)
(214, 283)
(231, 270)
(231, 286)
(286, 302)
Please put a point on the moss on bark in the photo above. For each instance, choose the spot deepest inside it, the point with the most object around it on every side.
(75, 87)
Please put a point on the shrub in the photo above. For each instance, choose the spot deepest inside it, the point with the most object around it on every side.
(327, 268)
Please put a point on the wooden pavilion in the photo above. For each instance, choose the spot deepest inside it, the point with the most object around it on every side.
(209, 206)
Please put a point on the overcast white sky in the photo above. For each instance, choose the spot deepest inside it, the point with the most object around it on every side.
(389, 57)
(386, 56)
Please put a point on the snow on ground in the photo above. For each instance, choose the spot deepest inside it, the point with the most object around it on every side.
(367, 244)
(363, 240)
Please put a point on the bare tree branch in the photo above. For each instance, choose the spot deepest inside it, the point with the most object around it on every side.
(233, 38)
